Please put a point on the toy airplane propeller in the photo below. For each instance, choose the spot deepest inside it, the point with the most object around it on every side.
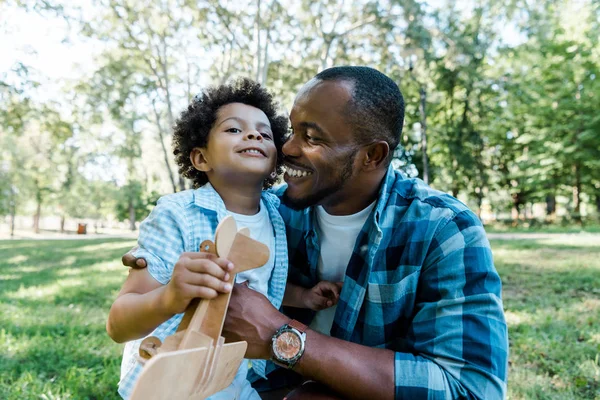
(194, 363)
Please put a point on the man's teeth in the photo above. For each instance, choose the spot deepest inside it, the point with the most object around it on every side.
(297, 172)
(253, 151)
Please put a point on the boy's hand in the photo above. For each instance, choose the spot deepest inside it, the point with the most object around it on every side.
(202, 275)
(323, 295)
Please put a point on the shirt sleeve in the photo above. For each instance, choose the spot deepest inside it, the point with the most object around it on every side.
(163, 238)
(459, 333)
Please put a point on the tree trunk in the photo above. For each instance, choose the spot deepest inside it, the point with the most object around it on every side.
(161, 135)
(598, 203)
(577, 194)
(38, 212)
(422, 110)
(13, 211)
(479, 203)
(516, 209)
(550, 206)
(62, 223)
(131, 216)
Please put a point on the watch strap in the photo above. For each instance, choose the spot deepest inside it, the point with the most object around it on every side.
(299, 326)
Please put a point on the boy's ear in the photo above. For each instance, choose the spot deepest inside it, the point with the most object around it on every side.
(198, 160)
(375, 155)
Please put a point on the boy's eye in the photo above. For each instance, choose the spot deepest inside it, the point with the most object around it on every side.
(234, 130)
(266, 135)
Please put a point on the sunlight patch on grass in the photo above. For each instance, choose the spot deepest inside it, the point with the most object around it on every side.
(17, 259)
(92, 248)
(46, 291)
(9, 277)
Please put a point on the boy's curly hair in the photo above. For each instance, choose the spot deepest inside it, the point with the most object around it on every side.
(194, 124)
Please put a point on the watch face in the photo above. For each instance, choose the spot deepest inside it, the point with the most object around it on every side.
(287, 345)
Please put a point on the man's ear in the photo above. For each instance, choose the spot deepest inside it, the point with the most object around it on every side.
(375, 155)
(198, 160)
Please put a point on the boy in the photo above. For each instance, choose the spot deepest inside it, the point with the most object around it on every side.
(229, 143)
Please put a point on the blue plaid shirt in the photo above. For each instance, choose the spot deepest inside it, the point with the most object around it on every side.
(178, 224)
(421, 282)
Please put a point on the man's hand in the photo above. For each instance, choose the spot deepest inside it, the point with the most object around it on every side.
(323, 295)
(129, 260)
(202, 275)
(252, 318)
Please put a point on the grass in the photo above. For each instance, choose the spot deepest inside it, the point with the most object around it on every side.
(54, 299)
(55, 296)
(552, 302)
(588, 226)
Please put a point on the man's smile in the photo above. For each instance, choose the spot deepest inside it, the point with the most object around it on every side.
(296, 172)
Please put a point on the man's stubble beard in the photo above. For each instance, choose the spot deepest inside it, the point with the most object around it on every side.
(316, 198)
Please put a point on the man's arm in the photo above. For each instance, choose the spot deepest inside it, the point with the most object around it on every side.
(354, 371)
(457, 338)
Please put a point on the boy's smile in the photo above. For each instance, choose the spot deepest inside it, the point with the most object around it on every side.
(240, 147)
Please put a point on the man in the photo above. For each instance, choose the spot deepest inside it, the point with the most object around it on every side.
(420, 312)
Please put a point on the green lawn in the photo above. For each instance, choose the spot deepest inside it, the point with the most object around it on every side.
(54, 297)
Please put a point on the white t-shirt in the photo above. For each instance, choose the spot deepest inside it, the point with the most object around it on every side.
(337, 234)
(261, 230)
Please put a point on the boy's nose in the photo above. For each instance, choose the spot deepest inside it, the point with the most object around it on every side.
(254, 136)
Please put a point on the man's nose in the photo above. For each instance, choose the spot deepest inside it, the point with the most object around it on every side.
(290, 147)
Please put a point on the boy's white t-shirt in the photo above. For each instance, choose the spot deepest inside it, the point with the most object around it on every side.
(261, 230)
(337, 234)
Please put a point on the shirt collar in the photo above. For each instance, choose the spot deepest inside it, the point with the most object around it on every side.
(207, 197)
(389, 181)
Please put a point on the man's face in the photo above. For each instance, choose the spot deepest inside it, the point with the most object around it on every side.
(320, 154)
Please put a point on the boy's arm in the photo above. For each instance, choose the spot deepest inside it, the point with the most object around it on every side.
(144, 303)
(173, 277)
(138, 309)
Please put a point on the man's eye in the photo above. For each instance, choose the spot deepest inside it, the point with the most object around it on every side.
(311, 139)
(234, 130)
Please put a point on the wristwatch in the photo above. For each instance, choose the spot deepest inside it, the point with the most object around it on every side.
(288, 344)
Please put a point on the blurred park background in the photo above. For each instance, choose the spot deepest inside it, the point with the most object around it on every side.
(503, 111)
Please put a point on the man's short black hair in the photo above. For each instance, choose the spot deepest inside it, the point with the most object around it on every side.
(377, 107)
(194, 124)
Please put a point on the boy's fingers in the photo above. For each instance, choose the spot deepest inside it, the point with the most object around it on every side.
(209, 282)
(203, 292)
(209, 267)
(221, 262)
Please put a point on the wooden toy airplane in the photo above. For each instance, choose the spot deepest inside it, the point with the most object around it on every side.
(194, 363)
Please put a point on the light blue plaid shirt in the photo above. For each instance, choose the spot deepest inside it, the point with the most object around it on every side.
(178, 224)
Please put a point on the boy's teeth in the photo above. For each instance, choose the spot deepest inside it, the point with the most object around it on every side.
(252, 151)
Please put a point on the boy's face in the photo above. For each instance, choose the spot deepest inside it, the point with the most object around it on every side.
(240, 146)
